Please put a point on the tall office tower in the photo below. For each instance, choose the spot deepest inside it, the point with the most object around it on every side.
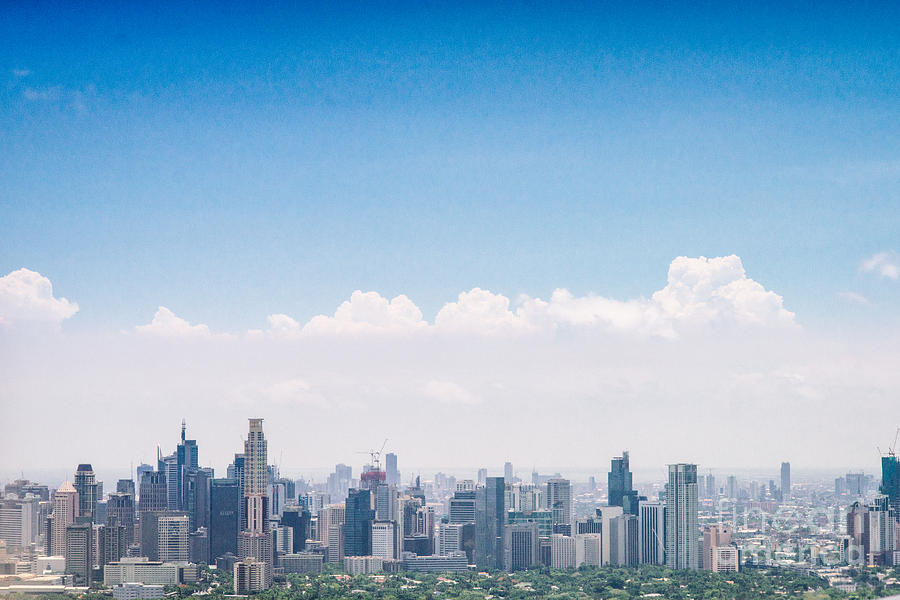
(621, 491)
(732, 487)
(18, 523)
(196, 496)
(383, 540)
(297, 518)
(462, 506)
(714, 559)
(224, 517)
(681, 527)
(606, 514)
(855, 484)
(358, 519)
(652, 535)
(115, 542)
(120, 511)
(521, 546)
(508, 472)
(86, 486)
(711, 491)
(187, 460)
(126, 486)
(449, 538)
(624, 539)
(236, 471)
(490, 514)
(588, 549)
(559, 501)
(79, 545)
(386, 498)
(890, 480)
(390, 467)
(139, 475)
(588, 524)
(562, 551)
(335, 536)
(169, 466)
(482, 476)
(882, 532)
(785, 481)
(65, 511)
(153, 496)
(339, 481)
(255, 541)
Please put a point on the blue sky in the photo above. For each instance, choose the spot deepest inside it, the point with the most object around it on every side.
(236, 162)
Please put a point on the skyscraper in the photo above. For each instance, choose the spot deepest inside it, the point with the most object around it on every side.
(681, 528)
(79, 546)
(521, 546)
(65, 511)
(255, 541)
(358, 518)
(785, 481)
(653, 544)
(508, 472)
(224, 515)
(120, 511)
(390, 467)
(490, 513)
(86, 486)
(620, 484)
(890, 480)
(297, 518)
(559, 501)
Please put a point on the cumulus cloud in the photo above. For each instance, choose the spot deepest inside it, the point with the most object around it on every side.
(448, 392)
(369, 312)
(700, 292)
(27, 296)
(479, 311)
(885, 264)
(166, 324)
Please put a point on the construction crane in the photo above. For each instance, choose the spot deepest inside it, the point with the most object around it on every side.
(892, 449)
(376, 455)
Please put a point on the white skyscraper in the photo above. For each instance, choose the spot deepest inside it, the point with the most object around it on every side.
(653, 543)
(256, 540)
(65, 510)
(562, 551)
(682, 528)
(383, 539)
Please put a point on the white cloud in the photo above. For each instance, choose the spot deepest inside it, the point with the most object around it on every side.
(885, 264)
(166, 324)
(854, 298)
(369, 312)
(479, 311)
(26, 295)
(448, 392)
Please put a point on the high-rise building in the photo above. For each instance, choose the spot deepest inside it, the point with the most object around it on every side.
(224, 515)
(195, 484)
(65, 511)
(621, 490)
(449, 538)
(358, 519)
(390, 468)
(653, 543)
(785, 481)
(383, 540)
(559, 502)
(508, 472)
(719, 554)
(588, 550)
(386, 497)
(19, 522)
(711, 491)
(562, 551)
(482, 476)
(126, 486)
(297, 518)
(624, 540)
(732, 487)
(255, 541)
(462, 506)
(88, 492)
(521, 546)
(120, 511)
(681, 525)
(490, 513)
(890, 480)
(79, 550)
(236, 471)
(153, 492)
(187, 460)
(250, 575)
